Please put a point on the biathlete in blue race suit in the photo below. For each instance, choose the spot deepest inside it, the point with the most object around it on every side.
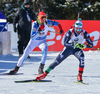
(74, 43)
(38, 39)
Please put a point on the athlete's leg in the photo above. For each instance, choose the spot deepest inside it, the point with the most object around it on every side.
(63, 54)
(44, 49)
(28, 49)
(31, 45)
(80, 56)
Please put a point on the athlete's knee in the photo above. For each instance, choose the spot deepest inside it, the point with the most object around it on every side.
(81, 62)
(44, 51)
(46, 48)
(20, 43)
(27, 50)
(54, 64)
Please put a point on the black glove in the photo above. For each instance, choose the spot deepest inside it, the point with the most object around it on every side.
(15, 29)
(62, 32)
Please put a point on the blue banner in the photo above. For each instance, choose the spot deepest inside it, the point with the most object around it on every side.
(3, 23)
(3, 26)
(2, 16)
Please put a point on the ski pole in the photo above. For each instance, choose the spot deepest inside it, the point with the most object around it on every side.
(54, 29)
(54, 32)
(96, 40)
(96, 48)
(93, 41)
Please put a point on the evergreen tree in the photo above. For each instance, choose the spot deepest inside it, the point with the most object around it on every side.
(55, 9)
(61, 9)
(9, 9)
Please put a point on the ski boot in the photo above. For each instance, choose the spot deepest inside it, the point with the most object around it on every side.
(79, 77)
(14, 71)
(40, 70)
(42, 76)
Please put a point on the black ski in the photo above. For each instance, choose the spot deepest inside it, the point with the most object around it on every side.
(32, 80)
(11, 74)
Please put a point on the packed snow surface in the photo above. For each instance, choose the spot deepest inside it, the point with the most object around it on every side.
(63, 76)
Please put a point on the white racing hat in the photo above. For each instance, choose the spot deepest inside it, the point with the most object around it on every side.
(78, 24)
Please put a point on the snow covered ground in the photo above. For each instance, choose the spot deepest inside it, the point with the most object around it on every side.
(63, 76)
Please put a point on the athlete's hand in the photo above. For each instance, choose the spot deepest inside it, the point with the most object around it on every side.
(62, 32)
(80, 46)
(15, 29)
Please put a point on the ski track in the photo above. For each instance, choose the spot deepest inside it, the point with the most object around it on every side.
(63, 82)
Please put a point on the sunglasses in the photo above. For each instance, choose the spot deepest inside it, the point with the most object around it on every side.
(79, 24)
(43, 17)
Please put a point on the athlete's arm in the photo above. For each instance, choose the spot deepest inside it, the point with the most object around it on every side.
(34, 30)
(54, 23)
(88, 40)
(67, 39)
